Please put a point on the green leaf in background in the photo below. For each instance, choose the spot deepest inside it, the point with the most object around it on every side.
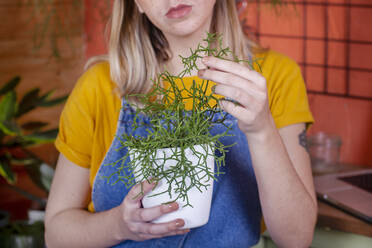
(32, 100)
(16, 136)
(8, 106)
(53, 102)
(42, 137)
(43, 100)
(10, 128)
(22, 161)
(23, 231)
(47, 174)
(2, 136)
(46, 96)
(34, 125)
(6, 172)
(18, 141)
(41, 174)
(10, 85)
(29, 102)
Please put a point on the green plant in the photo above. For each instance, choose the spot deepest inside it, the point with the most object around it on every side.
(171, 125)
(21, 234)
(16, 137)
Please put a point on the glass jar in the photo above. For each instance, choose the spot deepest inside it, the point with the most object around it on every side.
(324, 152)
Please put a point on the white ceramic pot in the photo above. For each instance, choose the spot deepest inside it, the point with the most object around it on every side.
(194, 216)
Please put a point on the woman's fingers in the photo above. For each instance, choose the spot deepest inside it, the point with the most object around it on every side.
(136, 220)
(138, 191)
(161, 228)
(241, 113)
(229, 79)
(238, 95)
(149, 214)
(236, 88)
(145, 236)
(239, 84)
(235, 68)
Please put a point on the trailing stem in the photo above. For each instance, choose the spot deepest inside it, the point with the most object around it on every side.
(162, 115)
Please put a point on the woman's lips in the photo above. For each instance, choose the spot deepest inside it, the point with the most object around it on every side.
(179, 11)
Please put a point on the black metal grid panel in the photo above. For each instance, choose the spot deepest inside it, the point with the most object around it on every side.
(347, 42)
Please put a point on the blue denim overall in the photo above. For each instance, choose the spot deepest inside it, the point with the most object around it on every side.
(235, 214)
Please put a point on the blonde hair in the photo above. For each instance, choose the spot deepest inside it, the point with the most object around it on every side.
(137, 49)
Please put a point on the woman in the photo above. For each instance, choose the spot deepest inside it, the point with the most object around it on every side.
(273, 175)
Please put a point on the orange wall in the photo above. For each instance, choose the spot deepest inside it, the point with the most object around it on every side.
(39, 67)
(348, 117)
(314, 33)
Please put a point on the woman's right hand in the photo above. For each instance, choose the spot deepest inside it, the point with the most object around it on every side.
(135, 221)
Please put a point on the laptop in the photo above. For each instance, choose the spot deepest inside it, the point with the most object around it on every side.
(349, 191)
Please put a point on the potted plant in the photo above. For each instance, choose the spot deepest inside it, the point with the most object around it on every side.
(15, 139)
(178, 151)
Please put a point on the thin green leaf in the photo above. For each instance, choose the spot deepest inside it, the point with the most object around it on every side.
(53, 102)
(28, 195)
(22, 161)
(6, 172)
(34, 125)
(41, 174)
(42, 137)
(12, 142)
(10, 85)
(2, 136)
(46, 96)
(28, 102)
(10, 128)
(8, 106)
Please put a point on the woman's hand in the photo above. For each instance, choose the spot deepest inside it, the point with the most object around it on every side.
(288, 164)
(135, 220)
(246, 87)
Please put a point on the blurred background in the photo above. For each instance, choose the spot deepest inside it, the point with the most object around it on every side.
(44, 45)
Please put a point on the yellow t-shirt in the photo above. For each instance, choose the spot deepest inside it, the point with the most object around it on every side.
(89, 118)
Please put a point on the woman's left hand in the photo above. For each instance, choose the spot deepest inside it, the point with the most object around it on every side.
(246, 87)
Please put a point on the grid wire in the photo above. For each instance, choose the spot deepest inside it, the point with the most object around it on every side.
(346, 70)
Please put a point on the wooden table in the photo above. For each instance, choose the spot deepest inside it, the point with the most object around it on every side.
(329, 216)
(334, 218)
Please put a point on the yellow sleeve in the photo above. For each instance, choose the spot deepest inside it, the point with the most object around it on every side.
(286, 90)
(76, 125)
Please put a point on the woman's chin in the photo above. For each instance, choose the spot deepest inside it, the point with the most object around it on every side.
(183, 29)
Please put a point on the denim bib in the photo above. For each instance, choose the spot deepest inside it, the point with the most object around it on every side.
(235, 213)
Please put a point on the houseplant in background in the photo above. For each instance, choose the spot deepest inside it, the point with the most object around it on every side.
(174, 145)
(15, 139)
